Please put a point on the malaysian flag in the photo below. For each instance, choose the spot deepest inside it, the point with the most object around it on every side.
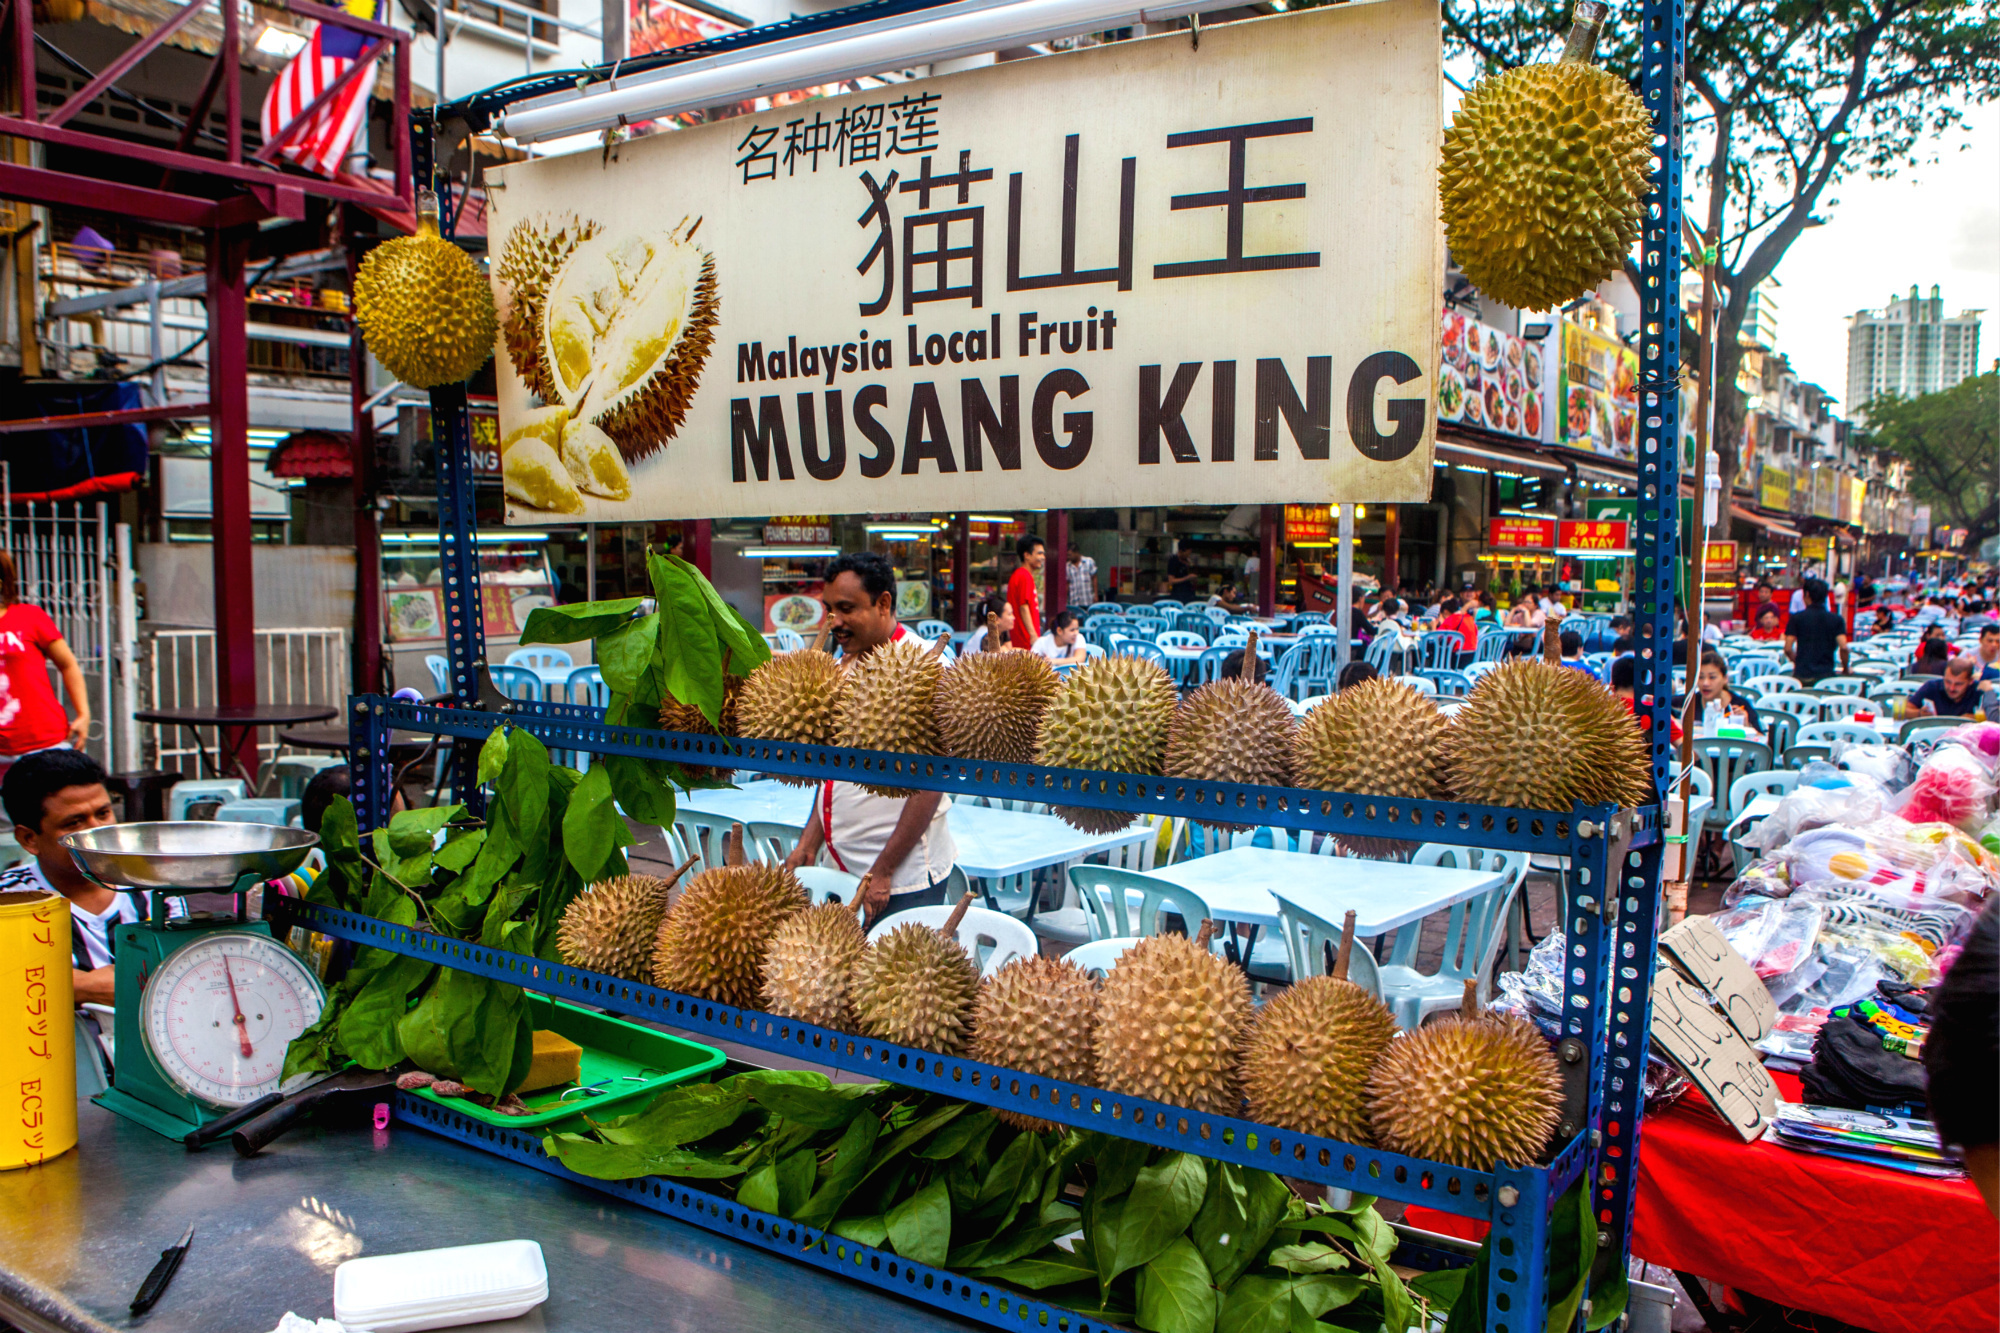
(321, 143)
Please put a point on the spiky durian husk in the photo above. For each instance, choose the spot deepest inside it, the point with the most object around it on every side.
(535, 249)
(1308, 1056)
(990, 705)
(809, 966)
(713, 939)
(424, 307)
(1232, 731)
(916, 988)
(677, 716)
(791, 698)
(1037, 1015)
(1114, 714)
(1542, 182)
(890, 703)
(1377, 738)
(645, 419)
(1541, 737)
(1168, 1022)
(610, 927)
(1472, 1092)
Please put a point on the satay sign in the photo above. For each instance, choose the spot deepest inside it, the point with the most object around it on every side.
(1148, 272)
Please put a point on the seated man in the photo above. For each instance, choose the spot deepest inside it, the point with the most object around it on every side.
(1572, 650)
(48, 794)
(1954, 694)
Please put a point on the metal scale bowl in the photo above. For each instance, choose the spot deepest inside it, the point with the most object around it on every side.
(206, 1002)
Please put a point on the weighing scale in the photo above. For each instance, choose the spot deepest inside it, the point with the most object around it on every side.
(206, 1003)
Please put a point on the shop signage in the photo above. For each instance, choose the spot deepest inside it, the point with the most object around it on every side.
(1599, 395)
(1308, 523)
(1813, 548)
(483, 419)
(1588, 536)
(1489, 378)
(1774, 490)
(1920, 521)
(1719, 560)
(1521, 534)
(660, 25)
(1144, 273)
(798, 530)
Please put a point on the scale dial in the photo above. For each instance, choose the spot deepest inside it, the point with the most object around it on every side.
(218, 1014)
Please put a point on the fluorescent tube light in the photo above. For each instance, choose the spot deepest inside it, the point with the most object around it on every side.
(789, 552)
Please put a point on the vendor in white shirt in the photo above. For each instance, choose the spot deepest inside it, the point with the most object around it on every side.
(904, 842)
(48, 794)
(1063, 644)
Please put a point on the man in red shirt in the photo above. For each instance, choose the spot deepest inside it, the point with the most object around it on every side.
(1024, 593)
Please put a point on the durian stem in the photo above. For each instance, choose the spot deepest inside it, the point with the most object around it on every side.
(860, 894)
(937, 645)
(1203, 935)
(1552, 649)
(1346, 947)
(1586, 26)
(1470, 1006)
(950, 927)
(675, 878)
(1250, 662)
(819, 639)
(732, 847)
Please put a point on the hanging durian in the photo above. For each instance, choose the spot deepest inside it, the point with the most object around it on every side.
(792, 698)
(677, 716)
(1539, 736)
(425, 309)
(711, 944)
(610, 927)
(809, 964)
(1543, 179)
(1037, 1015)
(1235, 730)
(890, 703)
(1113, 715)
(1473, 1090)
(1375, 738)
(535, 249)
(916, 986)
(1310, 1051)
(1168, 1022)
(990, 705)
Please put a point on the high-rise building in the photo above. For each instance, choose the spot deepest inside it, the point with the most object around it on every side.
(1760, 316)
(1909, 348)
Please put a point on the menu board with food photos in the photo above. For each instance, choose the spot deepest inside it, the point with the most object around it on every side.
(1599, 392)
(1489, 378)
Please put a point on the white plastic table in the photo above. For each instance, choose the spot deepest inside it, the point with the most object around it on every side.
(1244, 884)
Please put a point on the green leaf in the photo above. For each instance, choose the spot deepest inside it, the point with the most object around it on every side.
(753, 1078)
(315, 1051)
(1439, 1286)
(690, 650)
(1175, 1295)
(914, 1133)
(962, 1137)
(1237, 1218)
(748, 650)
(1103, 1220)
(619, 1161)
(759, 1189)
(524, 790)
(468, 1028)
(1264, 1304)
(822, 1108)
(795, 1181)
(1468, 1308)
(1399, 1312)
(340, 839)
(920, 1226)
(1051, 1268)
(368, 1021)
(516, 889)
(1003, 1182)
(869, 1231)
(1164, 1200)
(592, 828)
(1572, 1252)
(493, 757)
(1608, 1299)
(577, 621)
(640, 788)
(1057, 1221)
(680, 1115)
(849, 1164)
(460, 851)
(1312, 1257)
(1118, 1166)
(412, 832)
(625, 654)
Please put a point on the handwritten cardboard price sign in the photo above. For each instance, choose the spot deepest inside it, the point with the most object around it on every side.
(1713, 1054)
(1697, 946)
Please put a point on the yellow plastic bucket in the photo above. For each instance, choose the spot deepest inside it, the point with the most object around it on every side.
(37, 1030)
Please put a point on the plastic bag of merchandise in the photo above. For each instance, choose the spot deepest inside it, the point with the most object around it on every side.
(1933, 859)
(1989, 837)
(1888, 764)
(1766, 877)
(1536, 992)
(1774, 935)
(1979, 739)
(1825, 796)
(1952, 786)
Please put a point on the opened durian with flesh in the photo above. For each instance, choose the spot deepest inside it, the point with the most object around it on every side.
(1168, 1022)
(1233, 730)
(916, 986)
(1113, 715)
(792, 698)
(711, 943)
(610, 927)
(425, 309)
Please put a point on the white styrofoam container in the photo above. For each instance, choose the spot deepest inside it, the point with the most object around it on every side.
(466, 1284)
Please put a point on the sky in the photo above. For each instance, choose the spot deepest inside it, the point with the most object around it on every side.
(1934, 224)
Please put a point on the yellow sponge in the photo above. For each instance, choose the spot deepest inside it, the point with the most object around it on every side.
(558, 1060)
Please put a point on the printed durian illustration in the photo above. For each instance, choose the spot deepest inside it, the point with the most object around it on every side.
(610, 329)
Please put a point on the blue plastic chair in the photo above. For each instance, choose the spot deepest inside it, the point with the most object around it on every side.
(1381, 653)
(1492, 645)
(258, 810)
(1208, 666)
(1304, 618)
(440, 671)
(1169, 604)
(1216, 615)
(1197, 623)
(930, 629)
(1106, 896)
(1180, 638)
(784, 640)
(1599, 664)
(1140, 648)
(1440, 650)
(1317, 631)
(1474, 932)
(586, 686)
(203, 791)
(541, 656)
(1446, 682)
(517, 682)
(1318, 666)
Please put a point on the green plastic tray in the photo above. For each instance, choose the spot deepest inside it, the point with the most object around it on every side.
(626, 1060)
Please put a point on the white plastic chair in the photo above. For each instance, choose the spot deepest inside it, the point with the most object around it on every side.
(1307, 937)
(1417, 683)
(1855, 685)
(827, 885)
(1826, 733)
(1474, 933)
(1301, 707)
(1804, 707)
(541, 658)
(1099, 956)
(1841, 707)
(994, 939)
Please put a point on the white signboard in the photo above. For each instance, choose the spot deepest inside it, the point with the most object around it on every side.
(1149, 272)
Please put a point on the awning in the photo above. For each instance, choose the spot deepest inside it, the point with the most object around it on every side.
(1490, 460)
(1773, 526)
(312, 454)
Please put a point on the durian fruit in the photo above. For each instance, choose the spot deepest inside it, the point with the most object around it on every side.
(890, 703)
(610, 927)
(1168, 1022)
(535, 249)
(1376, 738)
(425, 309)
(1310, 1051)
(916, 986)
(677, 716)
(626, 323)
(990, 705)
(712, 942)
(809, 965)
(1037, 1015)
(593, 460)
(1543, 179)
(1114, 714)
(534, 473)
(1235, 730)
(792, 698)
(1472, 1090)
(1541, 737)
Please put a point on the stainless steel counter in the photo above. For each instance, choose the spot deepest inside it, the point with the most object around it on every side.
(77, 1236)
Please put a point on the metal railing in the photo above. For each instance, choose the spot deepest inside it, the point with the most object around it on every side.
(303, 665)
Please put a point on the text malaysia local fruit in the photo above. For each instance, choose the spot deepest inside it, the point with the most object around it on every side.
(890, 703)
(1473, 1090)
(1543, 178)
(916, 986)
(1037, 1015)
(425, 309)
(809, 964)
(1235, 730)
(792, 699)
(1168, 1022)
(610, 927)
(1113, 715)
(990, 705)
(712, 942)
(1310, 1050)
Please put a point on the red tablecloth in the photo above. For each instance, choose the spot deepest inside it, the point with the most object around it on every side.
(1882, 1249)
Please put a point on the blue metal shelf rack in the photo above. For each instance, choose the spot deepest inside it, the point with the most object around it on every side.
(1610, 899)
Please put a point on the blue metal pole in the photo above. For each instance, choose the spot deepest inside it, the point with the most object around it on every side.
(458, 551)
